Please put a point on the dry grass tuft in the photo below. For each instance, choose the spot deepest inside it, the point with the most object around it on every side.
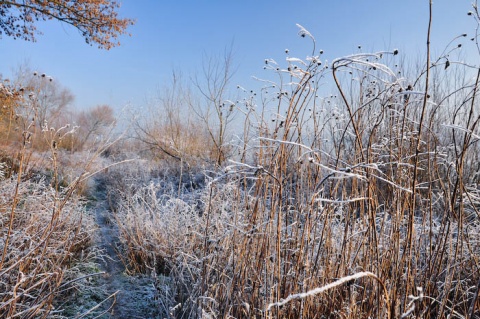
(47, 234)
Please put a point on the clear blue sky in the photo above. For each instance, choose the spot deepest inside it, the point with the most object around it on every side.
(175, 34)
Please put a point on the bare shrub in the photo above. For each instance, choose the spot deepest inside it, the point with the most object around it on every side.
(93, 125)
(170, 131)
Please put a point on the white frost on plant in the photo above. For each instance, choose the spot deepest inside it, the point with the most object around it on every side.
(293, 60)
(322, 289)
(303, 32)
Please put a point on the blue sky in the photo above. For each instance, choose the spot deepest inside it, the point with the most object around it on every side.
(176, 34)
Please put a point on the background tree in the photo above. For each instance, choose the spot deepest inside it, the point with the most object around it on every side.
(32, 96)
(97, 20)
(215, 107)
(93, 125)
(51, 98)
(170, 130)
(10, 98)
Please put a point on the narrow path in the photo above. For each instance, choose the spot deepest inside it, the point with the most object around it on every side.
(134, 297)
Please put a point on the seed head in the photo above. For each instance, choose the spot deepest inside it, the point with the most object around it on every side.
(395, 52)
(303, 32)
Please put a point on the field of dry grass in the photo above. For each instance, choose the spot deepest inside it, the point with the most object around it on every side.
(44, 231)
(360, 203)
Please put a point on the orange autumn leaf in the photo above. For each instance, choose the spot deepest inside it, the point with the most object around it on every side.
(96, 20)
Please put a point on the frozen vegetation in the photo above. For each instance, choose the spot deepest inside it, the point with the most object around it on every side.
(286, 202)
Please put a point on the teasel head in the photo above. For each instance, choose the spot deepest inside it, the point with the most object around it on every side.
(27, 137)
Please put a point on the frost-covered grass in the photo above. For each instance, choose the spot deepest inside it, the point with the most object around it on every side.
(45, 228)
(376, 183)
(360, 203)
(224, 258)
(46, 232)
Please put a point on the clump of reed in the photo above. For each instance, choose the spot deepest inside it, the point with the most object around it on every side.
(371, 193)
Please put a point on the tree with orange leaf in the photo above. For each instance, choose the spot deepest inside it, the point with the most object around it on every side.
(97, 20)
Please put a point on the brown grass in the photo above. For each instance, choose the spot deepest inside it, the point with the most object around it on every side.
(44, 227)
(47, 231)
(380, 179)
